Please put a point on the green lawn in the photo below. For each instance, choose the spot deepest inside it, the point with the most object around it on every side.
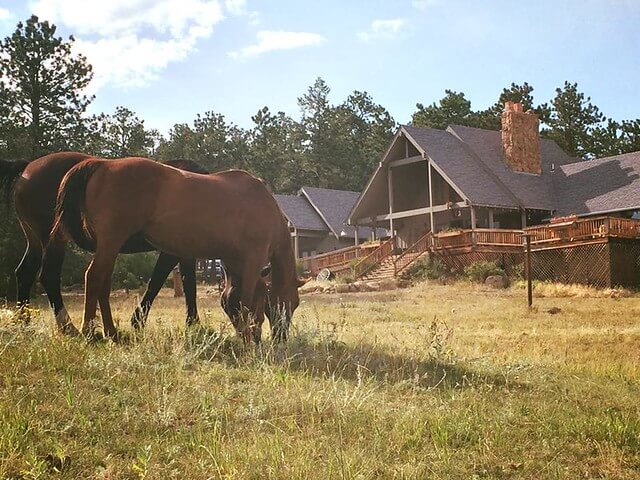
(428, 382)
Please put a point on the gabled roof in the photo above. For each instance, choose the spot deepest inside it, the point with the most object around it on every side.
(601, 185)
(300, 213)
(323, 209)
(334, 207)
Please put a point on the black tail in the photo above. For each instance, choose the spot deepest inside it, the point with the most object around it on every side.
(70, 204)
(9, 173)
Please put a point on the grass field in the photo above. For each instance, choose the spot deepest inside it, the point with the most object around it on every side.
(428, 382)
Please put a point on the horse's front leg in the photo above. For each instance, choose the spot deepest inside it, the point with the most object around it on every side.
(161, 271)
(250, 319)
(188, 273)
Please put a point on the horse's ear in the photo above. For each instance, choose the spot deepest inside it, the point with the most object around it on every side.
(302, 282)
(265, 271)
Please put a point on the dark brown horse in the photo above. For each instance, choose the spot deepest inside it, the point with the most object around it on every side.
(36, 185)
(230, 215)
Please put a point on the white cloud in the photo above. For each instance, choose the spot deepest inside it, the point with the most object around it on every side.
(423, 5)
(130, 42)
(383, 29)
(236, 7)
(239, 8)
(4, 14)
(269, 41)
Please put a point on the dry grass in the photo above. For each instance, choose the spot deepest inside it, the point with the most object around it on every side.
(550, 289)
(429, 382)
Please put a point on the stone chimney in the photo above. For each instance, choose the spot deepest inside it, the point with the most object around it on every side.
(520, 139)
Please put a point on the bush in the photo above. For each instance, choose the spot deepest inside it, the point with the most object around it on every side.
(479, 271)
(425, 268)
(130, 271)
(345, 278)
(300, 267)
(75, 263)
(133, 270)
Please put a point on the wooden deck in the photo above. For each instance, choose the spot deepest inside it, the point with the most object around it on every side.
(480, 243)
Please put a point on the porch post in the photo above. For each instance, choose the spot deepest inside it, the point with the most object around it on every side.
(296, 247)
(491, 224)
(430, 195)
(473, 224)
(390, 185)
(524, 218)
(356, 235)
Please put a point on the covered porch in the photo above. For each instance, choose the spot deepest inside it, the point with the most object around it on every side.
(411, 195)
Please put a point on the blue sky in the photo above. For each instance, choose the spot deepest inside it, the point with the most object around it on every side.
(170, 59)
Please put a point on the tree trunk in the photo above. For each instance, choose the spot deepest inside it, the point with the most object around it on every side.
(178, 291)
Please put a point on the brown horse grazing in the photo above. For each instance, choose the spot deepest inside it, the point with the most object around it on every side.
(231, 304)
(230, 215)
(36, 185)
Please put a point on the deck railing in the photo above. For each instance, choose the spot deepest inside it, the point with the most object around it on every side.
(479, 236)
(624, 227)
(462, 238)
(485, 236)
(337, 258)
(585, 229)
(374, 258)
(410, 255)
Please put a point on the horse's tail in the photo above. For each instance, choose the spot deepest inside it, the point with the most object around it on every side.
(9, 173)
(70, 204)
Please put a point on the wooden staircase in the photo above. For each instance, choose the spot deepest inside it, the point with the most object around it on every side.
(383, 263)
(385, 269)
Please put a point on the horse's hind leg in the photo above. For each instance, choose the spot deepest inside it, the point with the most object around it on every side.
(188, 272)
(27, 269)
(26, 273)
(161, 271)
(105, 308)
(98, 288)
(50, 280)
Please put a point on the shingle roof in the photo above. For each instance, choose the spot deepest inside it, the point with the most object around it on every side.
(462, 167)
(531, 191)
(334, 207)
(599, 185)
(300, 213)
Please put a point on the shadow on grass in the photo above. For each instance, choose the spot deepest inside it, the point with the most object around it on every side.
(323, 356)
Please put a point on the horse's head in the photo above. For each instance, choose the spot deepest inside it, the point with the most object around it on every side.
(279, 301)
(282, 302)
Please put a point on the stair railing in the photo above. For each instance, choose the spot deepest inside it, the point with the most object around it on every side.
(412, 253)
(374, 258)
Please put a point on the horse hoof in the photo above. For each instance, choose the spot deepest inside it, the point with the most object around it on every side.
(192, 321)
(70, 330)
(112, 333)
(138, 319)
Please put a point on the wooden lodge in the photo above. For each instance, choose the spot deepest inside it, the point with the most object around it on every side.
(467, 194)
